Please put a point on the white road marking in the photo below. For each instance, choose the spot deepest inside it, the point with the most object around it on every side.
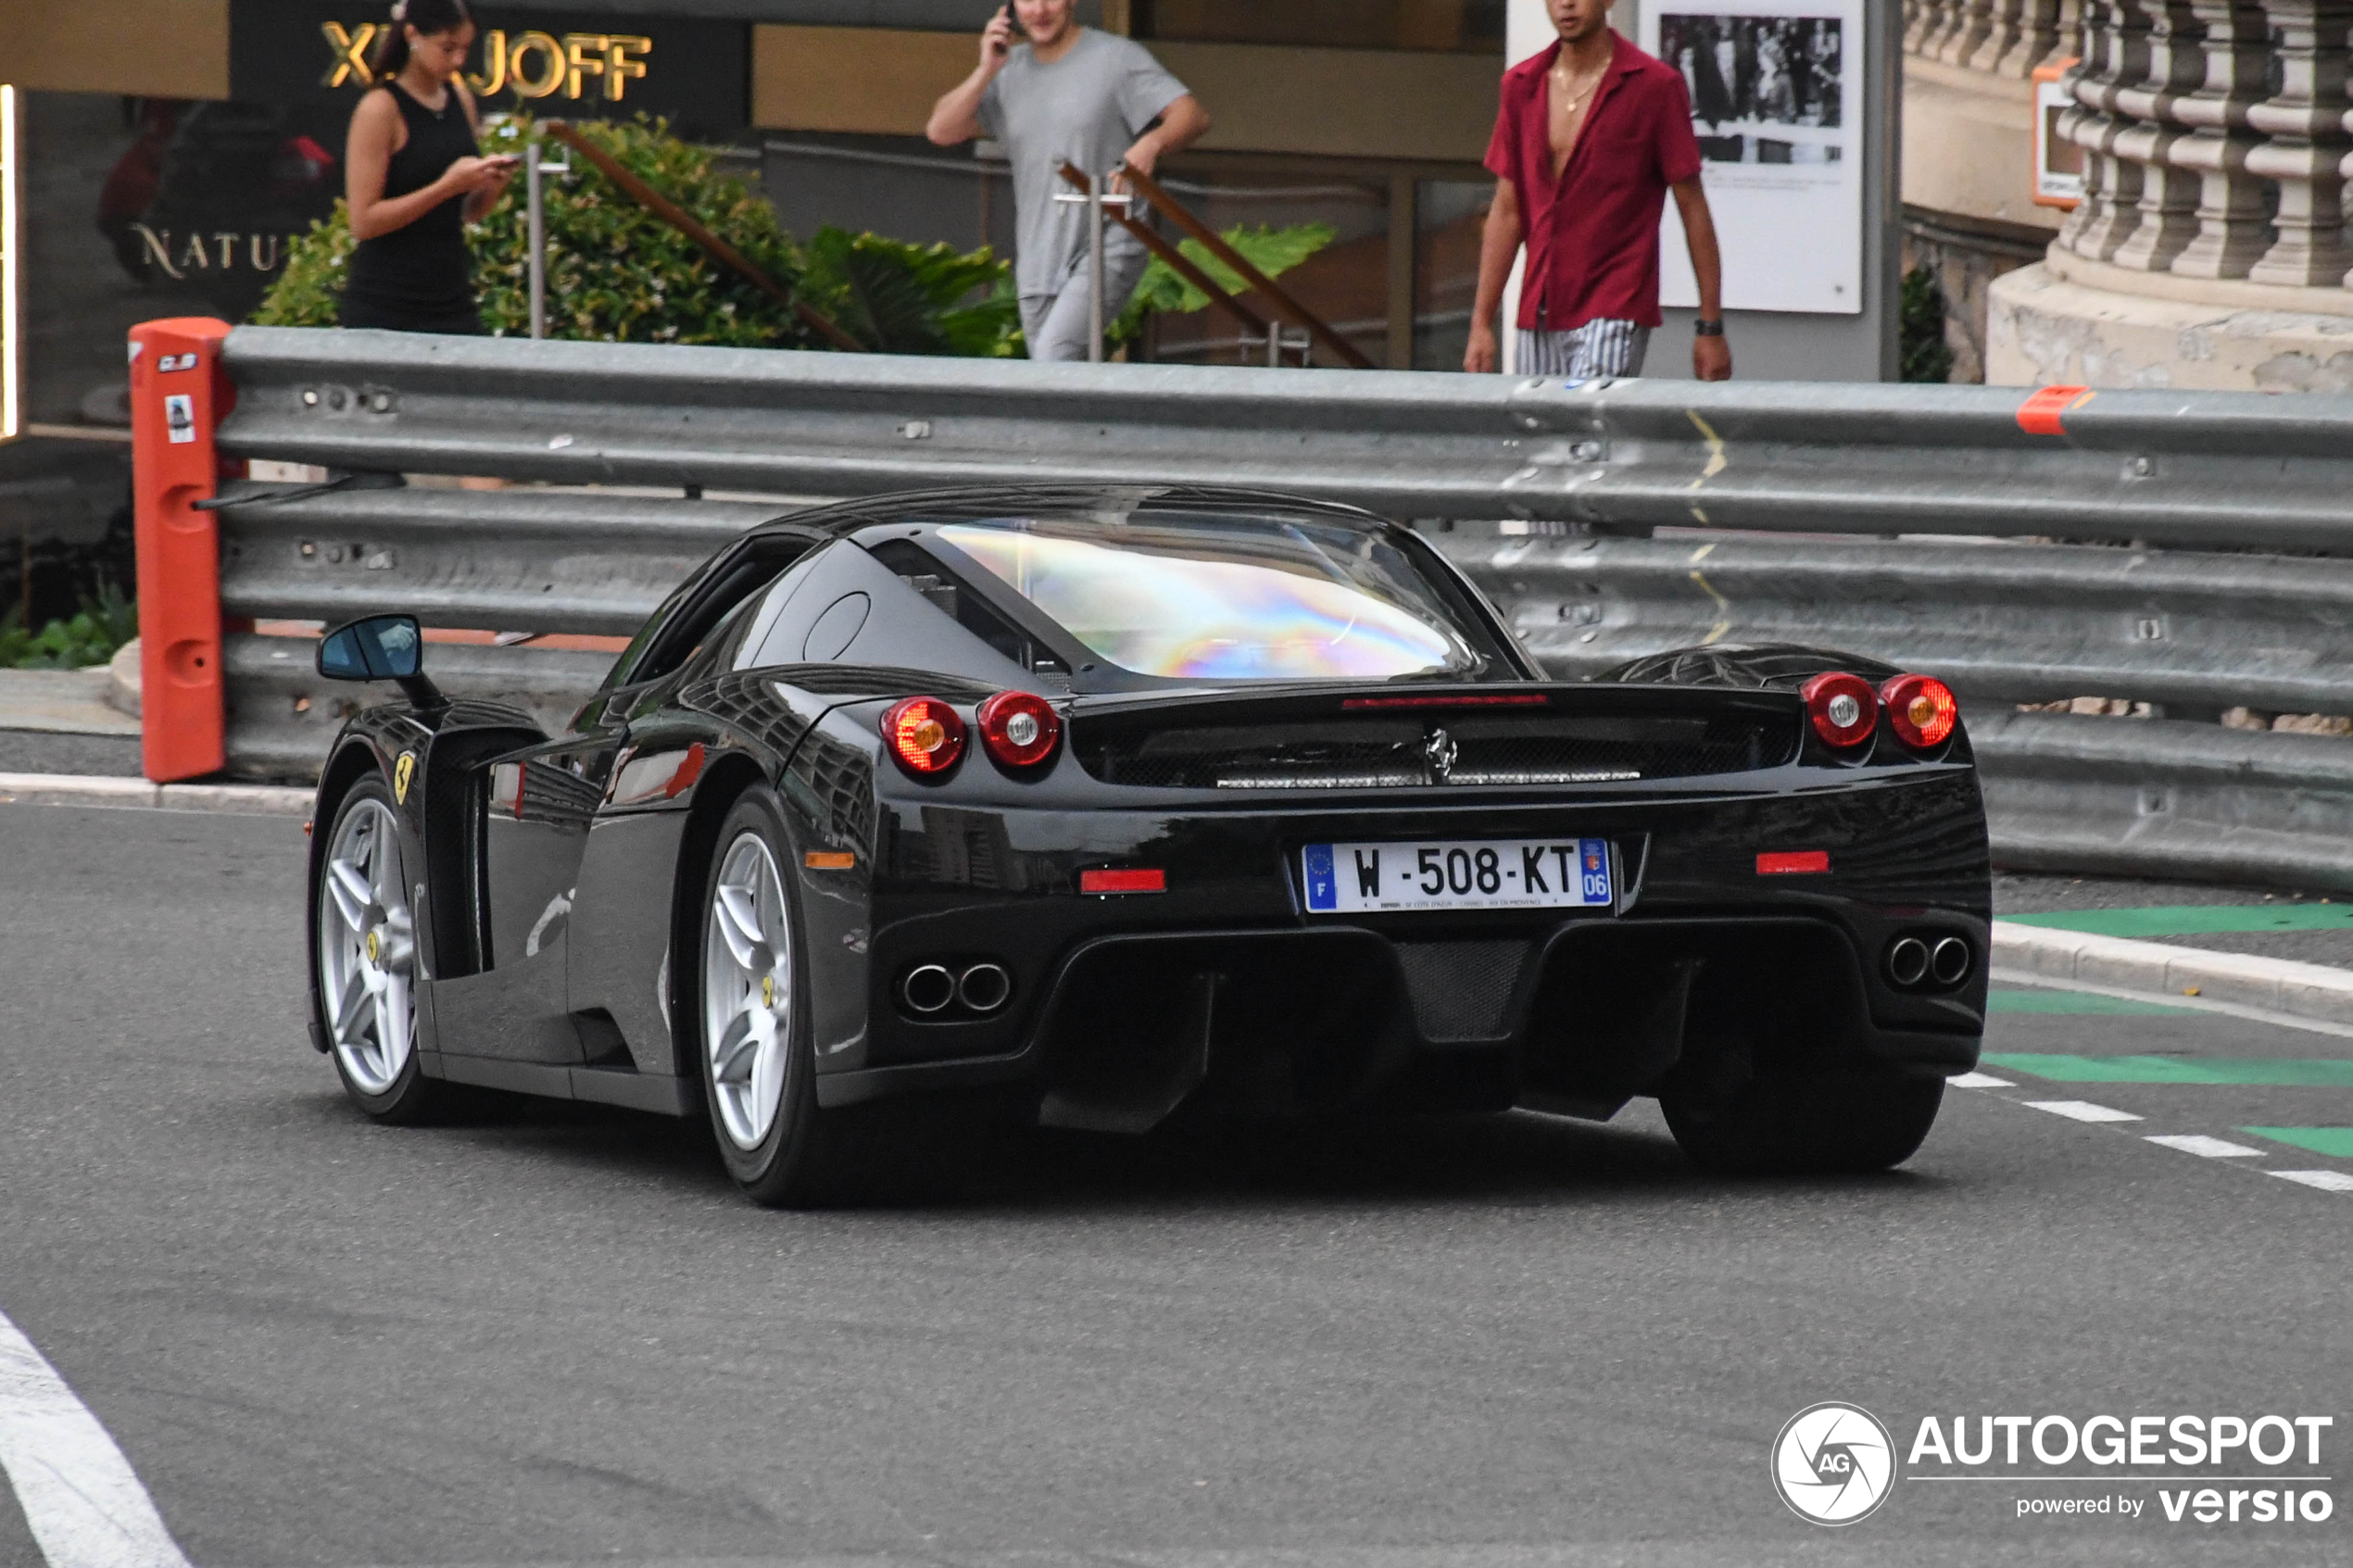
(2081, 1110)
(2327, 1181)
(83, 1501)
(1980, 1080)
(2210, 1149)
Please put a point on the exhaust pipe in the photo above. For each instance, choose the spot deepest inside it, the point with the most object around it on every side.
(984, 988)
(1949, 963)
(1907, 960)
(927, 988)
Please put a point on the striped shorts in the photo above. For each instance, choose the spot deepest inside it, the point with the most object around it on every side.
(1597, 348)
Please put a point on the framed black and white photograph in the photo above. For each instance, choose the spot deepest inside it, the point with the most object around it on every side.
(1774, 90)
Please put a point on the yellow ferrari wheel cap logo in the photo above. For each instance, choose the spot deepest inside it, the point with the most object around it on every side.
(767, 990)
(375, 945)
(402, 771)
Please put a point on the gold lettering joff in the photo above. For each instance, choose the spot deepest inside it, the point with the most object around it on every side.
(535, 64)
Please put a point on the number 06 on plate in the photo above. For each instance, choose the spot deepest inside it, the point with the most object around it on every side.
(1530, 873)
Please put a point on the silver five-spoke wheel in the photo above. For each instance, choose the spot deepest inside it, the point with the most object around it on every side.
(747, 991)
(367, 950)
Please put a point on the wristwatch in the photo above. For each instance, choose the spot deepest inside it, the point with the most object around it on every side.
(1709, 329)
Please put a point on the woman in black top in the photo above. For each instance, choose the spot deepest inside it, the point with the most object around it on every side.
(414, 178)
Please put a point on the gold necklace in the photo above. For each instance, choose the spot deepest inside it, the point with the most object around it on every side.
(1561, 84)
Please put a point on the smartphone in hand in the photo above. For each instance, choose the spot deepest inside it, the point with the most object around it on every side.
(1002, 41)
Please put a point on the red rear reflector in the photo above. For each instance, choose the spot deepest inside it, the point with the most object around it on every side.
(1530, 699)
(1125, 881)
(1787, 862)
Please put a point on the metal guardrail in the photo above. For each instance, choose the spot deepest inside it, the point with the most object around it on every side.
(2158, 797)
(2007, 619)
(2196, 632)
(507, 560)
(2214, 469)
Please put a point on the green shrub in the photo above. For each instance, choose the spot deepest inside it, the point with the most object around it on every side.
(902, 298)
(1272, 251)
(616, 274)
(1927, 357)
(102, 625)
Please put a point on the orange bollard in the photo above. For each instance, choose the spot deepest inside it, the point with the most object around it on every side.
(179, 395)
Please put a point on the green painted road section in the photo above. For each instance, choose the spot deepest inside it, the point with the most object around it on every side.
(2195, 920)
(2334, 1142)
(2240, 1070)
(2077, 1004)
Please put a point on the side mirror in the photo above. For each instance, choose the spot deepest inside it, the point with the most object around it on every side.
(379, 647)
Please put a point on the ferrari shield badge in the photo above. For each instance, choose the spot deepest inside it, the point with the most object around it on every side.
(402, 771)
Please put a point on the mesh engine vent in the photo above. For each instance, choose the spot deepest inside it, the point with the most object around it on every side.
(1462, 990)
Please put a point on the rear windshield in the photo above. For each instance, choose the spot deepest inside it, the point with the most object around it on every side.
(1230, 598)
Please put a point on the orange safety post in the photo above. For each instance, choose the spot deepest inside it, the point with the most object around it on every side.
(179, 395)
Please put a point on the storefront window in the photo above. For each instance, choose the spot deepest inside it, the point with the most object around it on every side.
(1447, 26)
(1448, 216)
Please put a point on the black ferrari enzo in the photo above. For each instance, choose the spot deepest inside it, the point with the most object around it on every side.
(1103, 802)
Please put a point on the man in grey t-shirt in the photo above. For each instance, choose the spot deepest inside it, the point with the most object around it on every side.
(1068, 93)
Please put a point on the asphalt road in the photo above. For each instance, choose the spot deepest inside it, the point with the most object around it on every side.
(561, 1337)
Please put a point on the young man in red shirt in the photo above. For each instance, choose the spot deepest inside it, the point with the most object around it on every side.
(1591, 136)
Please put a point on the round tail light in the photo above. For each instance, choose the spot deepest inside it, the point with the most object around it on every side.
(1921, 709)
(924, 735)
(1018, 729)
(1843, 708)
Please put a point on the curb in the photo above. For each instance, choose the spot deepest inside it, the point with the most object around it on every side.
(122, 679)
(2277, 986)
(83, 789)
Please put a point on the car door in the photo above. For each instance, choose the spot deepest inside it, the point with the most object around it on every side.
(627, 856)
(536, 807)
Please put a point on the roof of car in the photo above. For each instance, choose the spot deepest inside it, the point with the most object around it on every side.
(999, 500)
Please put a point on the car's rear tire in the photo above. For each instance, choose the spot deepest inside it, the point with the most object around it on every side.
(363, 961)
(1837, 1122)
(747, 1011)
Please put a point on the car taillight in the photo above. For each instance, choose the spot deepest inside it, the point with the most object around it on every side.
(1843, 708)
(1018, 729)
(924, 734)
(1921, 709)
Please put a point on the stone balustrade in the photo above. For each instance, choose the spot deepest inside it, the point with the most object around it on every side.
(1999, 37)
(2217, 137)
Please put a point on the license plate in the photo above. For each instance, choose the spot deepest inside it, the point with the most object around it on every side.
(1494, 874)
